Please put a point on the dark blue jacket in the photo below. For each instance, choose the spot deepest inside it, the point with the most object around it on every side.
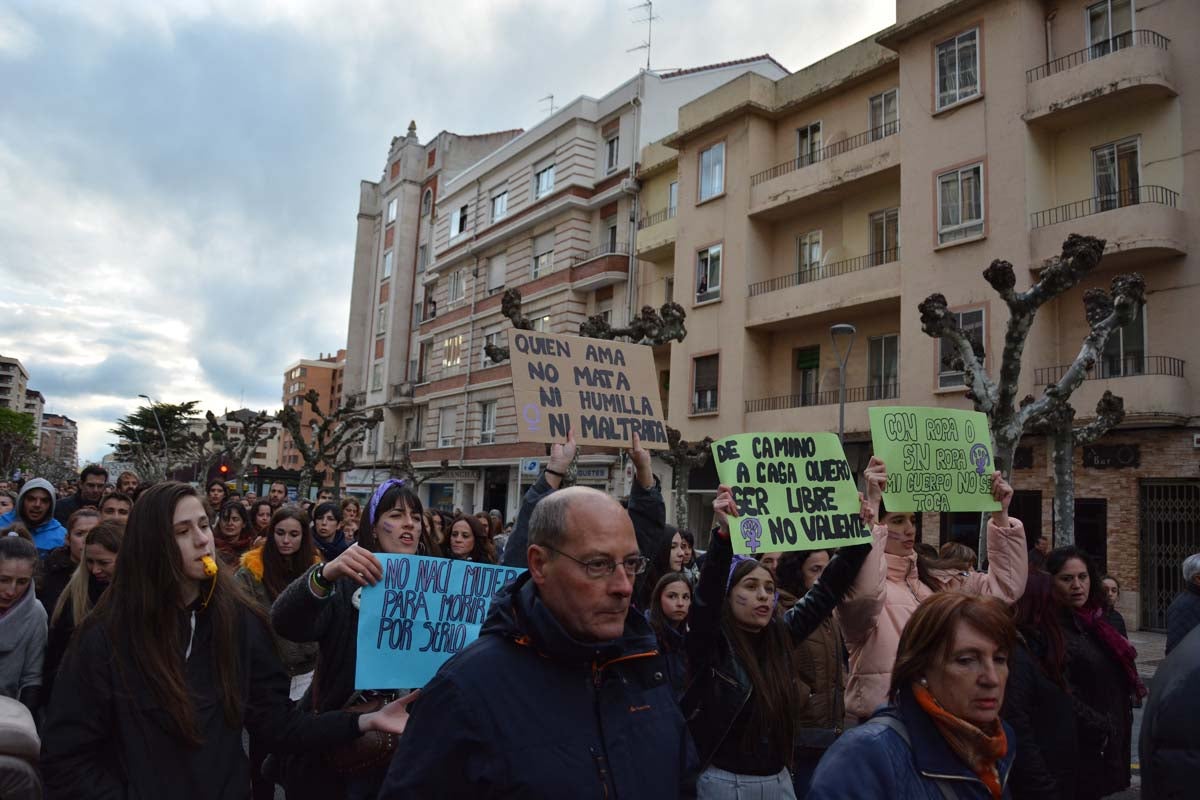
(1170, 745)
(527, 711)
(1182, 615)
(873, 761)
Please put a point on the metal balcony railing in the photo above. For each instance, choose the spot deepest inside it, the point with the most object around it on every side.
(658, 216)
(1142, 38)
(857, 394)
(822, 271)
(828, 151)
(1116, 367)
(1160, 195)
(606, 249)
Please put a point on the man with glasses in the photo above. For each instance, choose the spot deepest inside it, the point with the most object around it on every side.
(564, 694)
(92, 481)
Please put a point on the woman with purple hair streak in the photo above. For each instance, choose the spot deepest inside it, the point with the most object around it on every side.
(322, 606)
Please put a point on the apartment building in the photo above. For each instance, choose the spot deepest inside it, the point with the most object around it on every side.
(14, 380)
(60, 440)
(324, 375)
(35, 406)
(846, 193)
(552, 211)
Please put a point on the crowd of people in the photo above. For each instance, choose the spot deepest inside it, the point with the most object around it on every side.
(182, 642)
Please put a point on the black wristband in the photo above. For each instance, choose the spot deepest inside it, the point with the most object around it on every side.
(554, 472)
(319, 578)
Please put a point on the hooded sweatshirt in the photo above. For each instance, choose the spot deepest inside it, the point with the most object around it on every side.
(22, 645)
(47, 535)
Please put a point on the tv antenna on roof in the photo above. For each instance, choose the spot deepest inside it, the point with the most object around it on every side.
(647, 7)
(550, 99)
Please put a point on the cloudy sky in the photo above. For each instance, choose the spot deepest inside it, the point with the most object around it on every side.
(179, 178)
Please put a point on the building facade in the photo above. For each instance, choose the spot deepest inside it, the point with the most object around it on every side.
(325, 376)
(14, 381)
(901, 166)
(35, 406)
(60, 440)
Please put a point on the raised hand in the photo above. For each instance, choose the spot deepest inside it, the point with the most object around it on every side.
(641, 463)
(561, 456)
(723, 508)
(876, 480)
(1002, 492)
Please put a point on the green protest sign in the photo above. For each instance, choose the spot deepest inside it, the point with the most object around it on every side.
(938, 459)
(794, 491)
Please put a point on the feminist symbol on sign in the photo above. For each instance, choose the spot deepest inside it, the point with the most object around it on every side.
(531, 415)
(751, 530)
(979, 454)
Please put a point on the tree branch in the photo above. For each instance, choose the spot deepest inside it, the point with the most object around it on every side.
(939, 322)
(1110, 412)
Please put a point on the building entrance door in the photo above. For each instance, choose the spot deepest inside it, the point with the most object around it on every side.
(1169, 522)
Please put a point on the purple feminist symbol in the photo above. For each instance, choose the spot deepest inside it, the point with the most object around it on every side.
(531, 415)
(751, 530)
(979, 455)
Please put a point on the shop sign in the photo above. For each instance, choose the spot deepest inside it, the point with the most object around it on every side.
(1112, 456)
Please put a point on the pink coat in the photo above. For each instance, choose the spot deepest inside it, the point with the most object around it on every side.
(886, 594)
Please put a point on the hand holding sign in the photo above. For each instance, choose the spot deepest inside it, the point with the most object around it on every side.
(723, 509)
(561, 456)
(641, 463)
(357, 564)
(1002, 493)
(392, 718)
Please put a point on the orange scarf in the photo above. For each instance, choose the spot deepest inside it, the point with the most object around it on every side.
(980, 750)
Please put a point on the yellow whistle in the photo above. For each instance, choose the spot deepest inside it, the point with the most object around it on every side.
(210, 566)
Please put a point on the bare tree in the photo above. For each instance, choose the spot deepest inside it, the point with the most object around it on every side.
(648, 327)
(683, 456)
(510, 306)
(404, 466)
(331, 440)
(237, 450)
(997, 397)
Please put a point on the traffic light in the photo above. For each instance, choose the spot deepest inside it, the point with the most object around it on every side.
(221, 471)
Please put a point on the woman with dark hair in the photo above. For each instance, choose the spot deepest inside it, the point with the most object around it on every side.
(60, 564)
(743, 700)
(1101, 671)
(22, 623)
(234, 535)
(170, 666)
(687, 549)
(668, 559)
(941, 735)
(667, 615)
(322, 606)
(1112, 593)
(329, 536)
(260, 519)
(469, 541)
(351, 511)
(217, 493)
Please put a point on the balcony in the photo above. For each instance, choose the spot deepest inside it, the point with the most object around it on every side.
(601, 266)
(873, 279)
(656, 234)
(857, 394)
(829, 174)
(401, 394)
(1138, 224)
(817, 411)
(1093, 82)
(1154, 388)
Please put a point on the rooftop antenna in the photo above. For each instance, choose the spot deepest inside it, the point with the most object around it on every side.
(648, 8)
(549, 98)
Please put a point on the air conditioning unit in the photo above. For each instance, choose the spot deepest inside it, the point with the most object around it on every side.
(631, 186)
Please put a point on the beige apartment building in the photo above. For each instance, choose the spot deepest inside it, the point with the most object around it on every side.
(35, 406)
(324, 375)
(846, 193)
(14, 380)
(551, 211)
(60, 440)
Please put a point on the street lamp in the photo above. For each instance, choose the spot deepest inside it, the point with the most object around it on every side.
(842, 331)
(158, 424)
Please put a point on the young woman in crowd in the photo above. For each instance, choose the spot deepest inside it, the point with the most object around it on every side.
(170, 666)
(668, 559)
(8, 501)
(941, 736)
(351, 512)
(667, 615)
(1037, 703)
(818, 663)
(260, 519)
(1112, 593)
(266, 571)
(743, 699)
(22, 623)
(90, 579)
(434, 524)
(329, 535)
(233, 535)
(889, 589)
(217, 494)
(61, 563)
(687, 548)
(322, 606)
(1101, 671)
(469, 541)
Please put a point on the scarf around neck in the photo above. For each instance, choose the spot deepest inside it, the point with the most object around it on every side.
(1092, 620)
(980, 750)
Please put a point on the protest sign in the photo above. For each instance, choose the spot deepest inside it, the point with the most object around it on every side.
(423, 611)
(794, 491)
(603, 391)
(938, 459)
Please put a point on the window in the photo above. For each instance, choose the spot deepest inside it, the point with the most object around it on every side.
(610, 235)
(883, 367)
(446, 422)
(452, 351)
(376, 377)
(542, 324)
(705, 373)
(499, 206)
(884, 114)
(497, 266)
(958, 68)
(885, 236)
(1117, 176)
(673, 198)
(1108, 26)
(423, 358)
(418, 435)
(387, 264)
(1125, 350)
(543, 182)
(458, 286)
(712, 171)
(458, 222)
(416, 315)
(669, 291)
(612, 149)
(808, 144)
(381, 317)
(808, 256)
(708, 274)
(543, 253)
(426, 202)
(487, 422)
(391, 209)
(422, 257)
(430, 302)
(494, 340)
(960, 204)
(950, 373)
(806, 380)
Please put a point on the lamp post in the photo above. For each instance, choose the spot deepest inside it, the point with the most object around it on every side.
(158, 424)
(843, 331)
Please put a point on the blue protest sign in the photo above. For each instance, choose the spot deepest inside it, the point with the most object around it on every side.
(423, 611)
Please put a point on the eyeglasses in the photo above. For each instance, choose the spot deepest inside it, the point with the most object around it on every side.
(601, 567)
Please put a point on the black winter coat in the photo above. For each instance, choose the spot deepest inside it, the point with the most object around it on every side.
(106, 737)
(1183, 615)
(1170, 742)
(720, 689)
(528, 711)
(57, 569)
(1041, 714)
